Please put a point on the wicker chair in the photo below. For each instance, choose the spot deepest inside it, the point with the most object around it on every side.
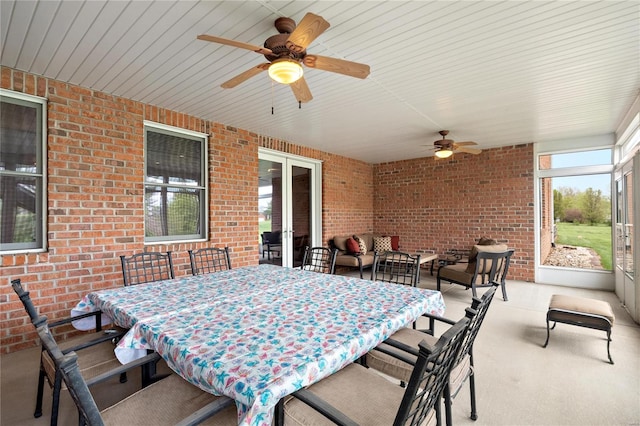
(357, 395)
(95, 352)
(172, 400)
(146, 267)
(319, 259)
(462, 366)
(209, 259)
(396, 267)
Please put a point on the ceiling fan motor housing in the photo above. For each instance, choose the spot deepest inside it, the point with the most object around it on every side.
(278, 45)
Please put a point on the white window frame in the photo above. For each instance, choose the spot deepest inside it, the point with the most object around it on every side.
(41, 174)
(203, 188)
(570, 277)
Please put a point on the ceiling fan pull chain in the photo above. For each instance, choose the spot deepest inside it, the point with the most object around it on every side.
(299, 104)
(272, 84)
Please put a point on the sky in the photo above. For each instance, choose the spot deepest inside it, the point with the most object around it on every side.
(600, 182)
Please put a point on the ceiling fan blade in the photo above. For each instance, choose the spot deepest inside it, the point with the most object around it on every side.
(301, 90)
(242, 77)
(465, 143)
(340, 66)
(308, 29)
(234, 43)
(475, 151)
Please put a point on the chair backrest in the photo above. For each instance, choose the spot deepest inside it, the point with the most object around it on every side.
(147, 267)
(493, 267)
(319, 259)
(430, 375)
(396, 267)
(25, 299)
(480, 306)
(209, 259)
(272, 237)
(68, 366)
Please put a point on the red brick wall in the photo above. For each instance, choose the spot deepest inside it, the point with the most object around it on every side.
(434, 205)
(95, 198)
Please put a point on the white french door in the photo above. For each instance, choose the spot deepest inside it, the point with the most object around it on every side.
(626, 239)
(293, 187)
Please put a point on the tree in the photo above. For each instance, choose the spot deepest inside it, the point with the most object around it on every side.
(593, 206)
(558, 204)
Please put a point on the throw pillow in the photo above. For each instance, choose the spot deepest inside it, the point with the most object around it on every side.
(395, 242)
(362, 244)
(352, 246)
(381, 244)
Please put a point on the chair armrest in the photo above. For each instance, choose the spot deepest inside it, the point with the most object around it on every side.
(69, 320)
(153, 357)
(104, 337)
(323, 407)
(383, 347)
(207, 411)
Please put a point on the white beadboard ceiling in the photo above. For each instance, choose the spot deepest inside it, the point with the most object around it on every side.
(495, 72)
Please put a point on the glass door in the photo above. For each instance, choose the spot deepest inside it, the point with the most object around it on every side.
(289, 199)
(625, 250)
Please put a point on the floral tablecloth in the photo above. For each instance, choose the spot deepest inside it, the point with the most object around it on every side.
(259, 333)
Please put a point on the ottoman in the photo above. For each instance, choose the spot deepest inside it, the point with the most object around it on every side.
(583, 312)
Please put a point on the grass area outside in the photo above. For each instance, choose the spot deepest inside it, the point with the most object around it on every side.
(263, 226)
(596, 237)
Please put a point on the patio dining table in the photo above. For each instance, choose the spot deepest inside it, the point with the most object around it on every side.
(259, 333)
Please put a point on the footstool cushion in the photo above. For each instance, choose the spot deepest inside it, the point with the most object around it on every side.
(582, 312)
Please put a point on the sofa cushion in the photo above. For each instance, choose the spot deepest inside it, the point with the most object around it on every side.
(381, 244)
(362, 243)
(473, 255)
(352, 246)
(341, 242)
(352, 261)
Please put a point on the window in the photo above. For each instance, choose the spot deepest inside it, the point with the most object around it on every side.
(575, 204)
(22, 177)
(175, 184)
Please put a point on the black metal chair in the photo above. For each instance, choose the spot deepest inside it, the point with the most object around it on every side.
(146, 267)
(396, 267)
(319, 259)
(209, 259)
(462, 366)
(271, 243)
(357, 395)
(171, 400)
(487, 265)
(95, 351)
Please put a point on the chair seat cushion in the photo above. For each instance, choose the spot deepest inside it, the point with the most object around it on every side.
(376, 399)
(179, 400)
(392, 366)
(457, 273)
(92, 360)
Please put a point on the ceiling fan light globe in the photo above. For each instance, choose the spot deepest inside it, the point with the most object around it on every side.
(285, 71)
(444, 153)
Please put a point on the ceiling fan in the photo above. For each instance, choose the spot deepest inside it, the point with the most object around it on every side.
(446, 147)
(287, 51)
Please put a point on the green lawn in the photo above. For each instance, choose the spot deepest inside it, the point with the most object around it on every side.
(597, 237)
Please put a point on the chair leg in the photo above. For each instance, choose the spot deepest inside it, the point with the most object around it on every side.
(447, 405)
(504, 291)
(472, 393)
(55, 405)
(38, 411)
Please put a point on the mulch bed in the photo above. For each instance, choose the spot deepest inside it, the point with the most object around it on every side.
(573, 257)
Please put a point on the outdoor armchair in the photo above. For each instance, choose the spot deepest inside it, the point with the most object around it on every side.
(95, 350)
(357, 395)
(382, 360)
